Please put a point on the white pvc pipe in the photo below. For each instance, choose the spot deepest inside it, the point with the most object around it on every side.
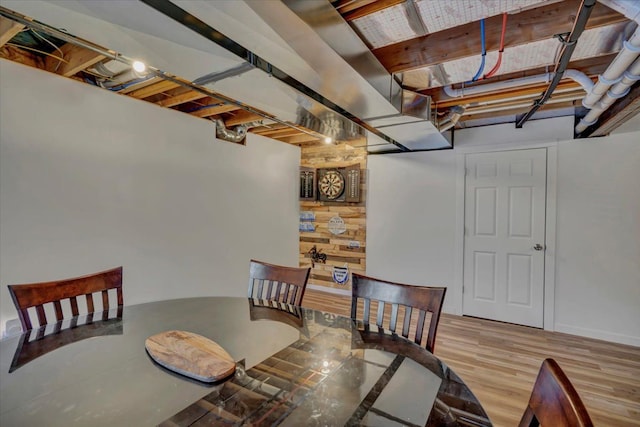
(613, 73)
(575, 75)
(491, 87)
(616, 92)
(620, 75)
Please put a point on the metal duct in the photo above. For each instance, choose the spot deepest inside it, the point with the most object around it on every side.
(237, 134)
(347, 91)
(452, 118)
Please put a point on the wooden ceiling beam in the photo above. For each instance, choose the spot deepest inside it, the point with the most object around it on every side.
(153, 89)
(280, 132)
(214, 109)
(149, 82)
(21, 56)
(241, 117)
(269, 128)
(301, 138)
(531, 25)
(8, 30)
(358, 9)
(77, 59)
(181, 99)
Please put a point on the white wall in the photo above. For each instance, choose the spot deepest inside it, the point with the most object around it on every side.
(412, 218)
(91, 180)
(598, 238)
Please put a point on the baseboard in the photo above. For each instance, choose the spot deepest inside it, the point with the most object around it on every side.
(329, 290)
(598, 334)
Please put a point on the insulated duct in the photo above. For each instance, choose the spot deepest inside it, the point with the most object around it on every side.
(309, 58)
(237, 134)
(452, 118)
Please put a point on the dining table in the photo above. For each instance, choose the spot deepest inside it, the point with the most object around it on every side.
(294, 367)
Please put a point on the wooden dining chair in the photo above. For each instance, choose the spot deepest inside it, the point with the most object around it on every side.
(277, 283)
(405, 301)
(38, 294)
(554, 401)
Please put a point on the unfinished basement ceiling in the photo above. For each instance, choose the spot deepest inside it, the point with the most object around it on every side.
(346, 68)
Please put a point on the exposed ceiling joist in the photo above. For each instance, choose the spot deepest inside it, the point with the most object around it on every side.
(8, 30)
(241, 117)
(214, 109)
(358, 9)
(463, 41)
(182, 98)
(153, 89)
(76, 60)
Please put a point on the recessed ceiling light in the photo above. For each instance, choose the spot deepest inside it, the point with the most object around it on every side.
(139, 66)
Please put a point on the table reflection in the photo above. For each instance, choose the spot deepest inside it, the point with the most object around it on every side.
(38, 342)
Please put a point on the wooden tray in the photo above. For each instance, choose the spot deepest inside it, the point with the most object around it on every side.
(191, 355)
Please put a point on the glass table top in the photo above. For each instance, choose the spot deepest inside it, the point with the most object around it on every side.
(296, 366)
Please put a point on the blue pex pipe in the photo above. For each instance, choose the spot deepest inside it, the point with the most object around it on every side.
(484, 53)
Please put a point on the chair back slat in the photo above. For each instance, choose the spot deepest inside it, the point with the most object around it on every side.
(283, 284)
(407, 322)
(38, 294)
(42, 318)
(89, 299)
(105, 300)
(380, 314)
(58, 308)
(74, 306)
(394, 318)
(420, 326)
(554, 401)
(384, 293)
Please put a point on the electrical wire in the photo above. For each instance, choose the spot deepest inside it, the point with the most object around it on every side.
(499, 62)
(568, 46)
(126, 85)
(484, 53)
(52, 44)
(39, 51)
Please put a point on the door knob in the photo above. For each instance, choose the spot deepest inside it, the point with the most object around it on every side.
(538, 247)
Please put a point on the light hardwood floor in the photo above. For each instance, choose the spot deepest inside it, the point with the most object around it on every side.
(499, 363)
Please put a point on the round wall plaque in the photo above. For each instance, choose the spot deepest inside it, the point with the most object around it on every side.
(336, 225)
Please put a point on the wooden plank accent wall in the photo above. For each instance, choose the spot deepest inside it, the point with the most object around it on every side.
(336, 247)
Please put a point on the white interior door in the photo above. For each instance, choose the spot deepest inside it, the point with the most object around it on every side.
(505, 195)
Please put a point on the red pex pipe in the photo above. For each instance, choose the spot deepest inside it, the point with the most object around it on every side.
(497, 66)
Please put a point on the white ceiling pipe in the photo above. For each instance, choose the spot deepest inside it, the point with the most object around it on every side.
(575, 75)
(473, 111)
(617, 91)
(630, 51)
(613, 73)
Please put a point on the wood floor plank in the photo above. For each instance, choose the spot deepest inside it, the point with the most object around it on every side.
(499, 362)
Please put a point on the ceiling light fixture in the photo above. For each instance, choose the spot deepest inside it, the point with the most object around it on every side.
(328, 140)
(139, 66)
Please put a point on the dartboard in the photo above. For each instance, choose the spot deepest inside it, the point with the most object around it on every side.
(331, 184)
